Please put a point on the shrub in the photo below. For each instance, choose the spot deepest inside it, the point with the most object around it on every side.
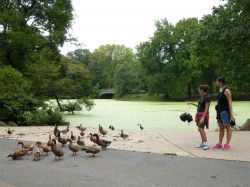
(15, 95)
(41, 117)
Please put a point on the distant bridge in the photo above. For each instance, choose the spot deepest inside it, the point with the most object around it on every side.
(106, 93)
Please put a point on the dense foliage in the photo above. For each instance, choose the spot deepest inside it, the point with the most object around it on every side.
(180, 57)
(173, 62)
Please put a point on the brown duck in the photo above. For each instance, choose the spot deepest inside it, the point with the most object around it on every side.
(102, 130)
(58, 152)
(92, 138)
(45, 148)
(65, 131)
(56, 131)
(26, 146)
(10, 131)
(72, 137)
(73, 147)
(63, 141)
(37, 152)
(81, 128)
(49, 141)
(101, 142)
(91, 149)
(18, 154)
(124, 136)
(80, 142)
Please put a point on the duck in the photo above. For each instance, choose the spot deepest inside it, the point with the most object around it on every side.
(72, 137)
(92, 138)
(141, 127)
(80, 142)
(81, 128)
(37, 152)
(10, 131)
(56, 131)
(82, 133)
(74, 147)
(111, 127)
(65, 131)
(101, 142)
(49, 141)
(91, 149)
(18, 154)
(26, 146)
(124, 136)
(58, 152)
(63, 141)
(45, 148)
(102, 130)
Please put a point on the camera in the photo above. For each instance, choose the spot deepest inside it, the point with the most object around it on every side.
(232, 123)
(186, 117)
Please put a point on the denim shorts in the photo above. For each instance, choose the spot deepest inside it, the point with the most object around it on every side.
(224, 118)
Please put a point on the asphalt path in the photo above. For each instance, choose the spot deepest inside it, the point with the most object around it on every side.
(119, 169)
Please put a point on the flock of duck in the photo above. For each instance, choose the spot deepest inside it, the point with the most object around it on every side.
(75, 144)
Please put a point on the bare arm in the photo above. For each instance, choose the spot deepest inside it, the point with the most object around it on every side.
(205, 113)
(194, 104)
(229, 99)
(206, 109)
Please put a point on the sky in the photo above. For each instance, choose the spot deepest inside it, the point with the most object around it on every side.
(127, 22)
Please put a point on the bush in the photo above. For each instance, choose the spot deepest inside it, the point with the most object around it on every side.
(15, 95)
(41, 117)
(73, 106)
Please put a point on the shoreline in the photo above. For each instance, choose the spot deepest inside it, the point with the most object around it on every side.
(179, 143)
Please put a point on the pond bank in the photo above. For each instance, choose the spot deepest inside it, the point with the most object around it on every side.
(164, 142)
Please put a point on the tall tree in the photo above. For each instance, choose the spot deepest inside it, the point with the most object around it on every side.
(28, 26)
(104, 60)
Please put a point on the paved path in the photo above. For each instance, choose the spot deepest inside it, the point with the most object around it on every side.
(120, 169)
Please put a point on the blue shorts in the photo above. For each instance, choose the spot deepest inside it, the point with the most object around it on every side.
(224, 118)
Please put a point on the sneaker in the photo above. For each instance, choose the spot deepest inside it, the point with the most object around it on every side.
(226, 147)
(200, 145)
(205, 146)
(217, 146)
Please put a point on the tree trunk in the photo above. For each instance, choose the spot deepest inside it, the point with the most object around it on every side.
(58, 103)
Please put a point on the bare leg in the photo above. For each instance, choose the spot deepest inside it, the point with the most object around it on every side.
(229, 133)
(221, 134)
(203, 135)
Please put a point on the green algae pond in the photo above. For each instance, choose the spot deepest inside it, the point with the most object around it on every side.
(158, 116)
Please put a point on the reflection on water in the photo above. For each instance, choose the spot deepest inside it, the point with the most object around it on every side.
(153, 115)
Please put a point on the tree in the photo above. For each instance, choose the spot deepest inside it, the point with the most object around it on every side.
(104, 60)
(80, 55)
(27, 27)
(77, 81)
(126, 79)
(170, 60)
(15, 97)
(223, 43)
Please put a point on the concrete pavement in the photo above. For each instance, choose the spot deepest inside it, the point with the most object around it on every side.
(163, 142)
(120, 168)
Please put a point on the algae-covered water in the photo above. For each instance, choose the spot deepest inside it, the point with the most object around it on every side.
(152, 115)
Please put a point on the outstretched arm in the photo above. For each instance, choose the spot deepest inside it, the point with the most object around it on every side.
(194, 104)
